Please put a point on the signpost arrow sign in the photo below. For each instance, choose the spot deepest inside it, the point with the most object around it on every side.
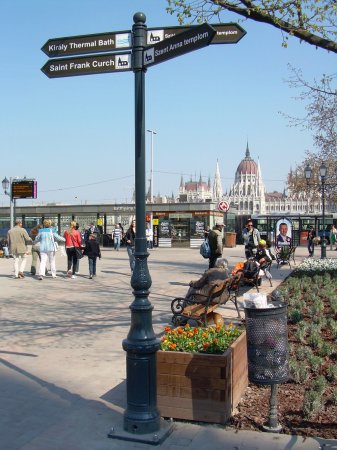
(90, 43)
(187, 41)
(87, 65)
(226, 33)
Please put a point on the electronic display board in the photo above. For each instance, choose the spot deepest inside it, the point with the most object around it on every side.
(24, 189)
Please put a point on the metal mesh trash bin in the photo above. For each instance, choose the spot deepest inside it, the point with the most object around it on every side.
(267, 344)
(267, 351)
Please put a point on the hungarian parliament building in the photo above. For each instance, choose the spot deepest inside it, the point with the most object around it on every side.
(247, 194)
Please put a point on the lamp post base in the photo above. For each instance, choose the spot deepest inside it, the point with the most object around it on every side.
(323, 250)
(155, 438)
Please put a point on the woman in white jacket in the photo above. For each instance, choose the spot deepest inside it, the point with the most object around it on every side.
(47, 238)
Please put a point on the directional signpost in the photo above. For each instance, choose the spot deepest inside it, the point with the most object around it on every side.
(90, 43)
(226, 33)
(87, 65)
(141, 420)
(179, 44)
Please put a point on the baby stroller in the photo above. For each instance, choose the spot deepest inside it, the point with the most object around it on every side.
(253, 271)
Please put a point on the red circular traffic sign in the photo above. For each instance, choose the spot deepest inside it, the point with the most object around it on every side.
(223, 206)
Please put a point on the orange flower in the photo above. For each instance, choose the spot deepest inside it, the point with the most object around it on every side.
(173, 346)
(167, 329)
(206, 345)
(180, 331)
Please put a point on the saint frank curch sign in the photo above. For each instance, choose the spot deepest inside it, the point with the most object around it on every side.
(87, 65)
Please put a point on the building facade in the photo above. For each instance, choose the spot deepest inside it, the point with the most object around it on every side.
(248, 193)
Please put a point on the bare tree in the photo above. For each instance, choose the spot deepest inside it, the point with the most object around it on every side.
(321, 120)
(310, 21)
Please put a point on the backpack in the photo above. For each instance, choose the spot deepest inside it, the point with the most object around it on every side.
(205, 249)
(250, 269)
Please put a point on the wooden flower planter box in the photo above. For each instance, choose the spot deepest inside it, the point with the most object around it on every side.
(202, 387)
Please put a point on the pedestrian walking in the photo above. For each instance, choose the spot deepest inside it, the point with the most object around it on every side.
(72, 241)
(92, 251)
(47, 238)
(130, 236)
(215, 243)
(4, 244)
(35, 249)
(77, 227)
(149, 236)
(251, 237)
(92, 229)
(311, 243)
(18, 239)
(117, 234)
(333, 236)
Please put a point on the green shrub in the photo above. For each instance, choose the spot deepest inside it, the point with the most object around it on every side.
(333, 304)
(315, 363)
(298, 372)
(312, 404)
(319, 384)
(303, 353)
(332, 324)
(295, 316)
(315, 340)
(331, 372)
(334, 397)
(327, 349)
(317, 307)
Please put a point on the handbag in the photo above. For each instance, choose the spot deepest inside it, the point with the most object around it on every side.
(78, 250)
(56, 246)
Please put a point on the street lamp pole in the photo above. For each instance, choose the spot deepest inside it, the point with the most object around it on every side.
(7, 187)
(323, 173)
(151, 181)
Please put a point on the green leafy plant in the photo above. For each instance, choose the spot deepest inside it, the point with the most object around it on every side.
(315, 340)
(332, 372)
(301, 332)
(327, 349)
(312, 404)
(295, 316)
(303, 353)
(299, 372)
(334, 397)
(319, 384)
(213, 339)
(315, 363)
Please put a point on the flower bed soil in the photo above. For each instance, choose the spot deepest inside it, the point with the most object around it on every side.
(253, 410)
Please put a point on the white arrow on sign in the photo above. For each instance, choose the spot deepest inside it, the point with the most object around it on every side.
(223, 206)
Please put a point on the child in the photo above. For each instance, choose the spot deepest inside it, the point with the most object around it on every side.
(92, 251)
(264, 258)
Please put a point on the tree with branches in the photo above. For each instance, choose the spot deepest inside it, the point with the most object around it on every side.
(311, 21)
(321, 120)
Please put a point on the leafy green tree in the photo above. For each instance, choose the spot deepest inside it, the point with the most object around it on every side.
(311, 21)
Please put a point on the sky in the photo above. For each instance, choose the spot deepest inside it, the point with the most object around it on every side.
(75, 135)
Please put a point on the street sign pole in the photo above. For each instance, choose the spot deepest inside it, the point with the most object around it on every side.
(141, 416)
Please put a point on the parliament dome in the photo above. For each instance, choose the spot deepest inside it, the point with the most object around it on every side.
(247, 165)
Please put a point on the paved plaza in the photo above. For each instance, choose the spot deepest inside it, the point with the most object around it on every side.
(62, 366)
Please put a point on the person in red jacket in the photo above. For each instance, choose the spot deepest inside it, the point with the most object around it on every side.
(73, 240)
